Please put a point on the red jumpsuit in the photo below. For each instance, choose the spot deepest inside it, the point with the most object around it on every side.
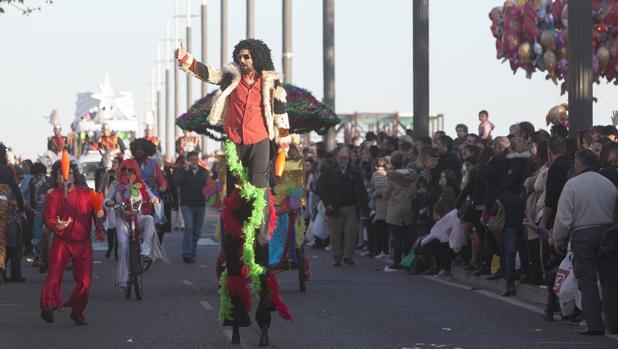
(72, 242)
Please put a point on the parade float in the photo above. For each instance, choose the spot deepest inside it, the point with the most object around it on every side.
(104, 122)
(286, 247)
(532, 35)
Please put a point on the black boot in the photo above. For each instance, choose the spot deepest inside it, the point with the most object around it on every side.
(48, 315)
(235, 335)
(264, 338)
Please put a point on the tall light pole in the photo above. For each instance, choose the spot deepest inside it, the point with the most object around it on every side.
(169, 119)
(160, 131)
(580, 65)
(223, 32)
(328, 54)
(287, 41)
(420, 66)
(204, 15)
(177, 102)
(189, 46)
(250, 19)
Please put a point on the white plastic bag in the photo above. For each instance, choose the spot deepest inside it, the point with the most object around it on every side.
(565, 286)
(318, 227)
(442, 229)
(457, 240)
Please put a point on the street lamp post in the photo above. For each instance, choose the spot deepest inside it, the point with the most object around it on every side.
(287, 41)
(204, 17)
(189, 47)
(250, 19)
(328, 57)
(580, 65)
(223, 32)
(420, 66)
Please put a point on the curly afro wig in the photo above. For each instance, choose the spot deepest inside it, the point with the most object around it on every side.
(260, 53)
(149, 148)
(3, 156)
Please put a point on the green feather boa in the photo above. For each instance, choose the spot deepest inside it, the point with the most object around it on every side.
(249, 193)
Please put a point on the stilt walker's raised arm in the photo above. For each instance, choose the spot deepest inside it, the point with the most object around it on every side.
(190, 65)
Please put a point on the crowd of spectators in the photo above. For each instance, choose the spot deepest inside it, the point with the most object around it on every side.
(519, 200)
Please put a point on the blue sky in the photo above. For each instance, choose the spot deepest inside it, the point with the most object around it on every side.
(46, 58)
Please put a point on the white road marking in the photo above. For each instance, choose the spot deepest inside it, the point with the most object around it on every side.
(567, 343)
(449, 283)
(187, 282)
(512, 301)
(206, 305)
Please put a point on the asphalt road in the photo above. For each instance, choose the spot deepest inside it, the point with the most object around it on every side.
(357, 306)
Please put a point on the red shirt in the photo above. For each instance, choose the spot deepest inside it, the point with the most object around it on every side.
(244, 122)
(77, 205)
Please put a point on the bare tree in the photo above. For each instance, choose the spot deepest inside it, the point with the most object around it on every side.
(20, 5)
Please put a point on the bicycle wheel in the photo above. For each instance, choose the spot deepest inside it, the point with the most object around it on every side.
(136, 272)
(127, 290)
(138, 286)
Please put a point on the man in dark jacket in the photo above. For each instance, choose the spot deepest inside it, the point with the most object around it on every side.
(448, 159)
(191, 180)
(345, 197)
(557, 177)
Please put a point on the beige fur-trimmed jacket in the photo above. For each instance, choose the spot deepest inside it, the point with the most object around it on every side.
(228, 78)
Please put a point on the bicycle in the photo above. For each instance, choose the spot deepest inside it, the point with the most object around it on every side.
(130, 213)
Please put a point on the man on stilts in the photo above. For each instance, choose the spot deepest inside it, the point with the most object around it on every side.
(251, 108)
(68, 214)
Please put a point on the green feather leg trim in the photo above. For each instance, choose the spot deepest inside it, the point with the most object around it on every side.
(225, 310)
(249, 193)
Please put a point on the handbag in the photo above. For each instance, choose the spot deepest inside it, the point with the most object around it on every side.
(496, 223)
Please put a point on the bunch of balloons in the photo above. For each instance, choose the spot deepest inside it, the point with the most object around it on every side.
(532, 35)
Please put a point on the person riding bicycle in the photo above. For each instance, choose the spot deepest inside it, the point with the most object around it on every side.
(128, 189)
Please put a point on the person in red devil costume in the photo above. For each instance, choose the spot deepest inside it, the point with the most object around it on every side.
(69, 217)
(57, 143)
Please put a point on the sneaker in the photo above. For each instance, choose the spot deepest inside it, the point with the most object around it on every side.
(444, 273)
(365, 253)
(388, 269)
(496, 276)
(79, 319)
(380, 256)
(327, 248)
